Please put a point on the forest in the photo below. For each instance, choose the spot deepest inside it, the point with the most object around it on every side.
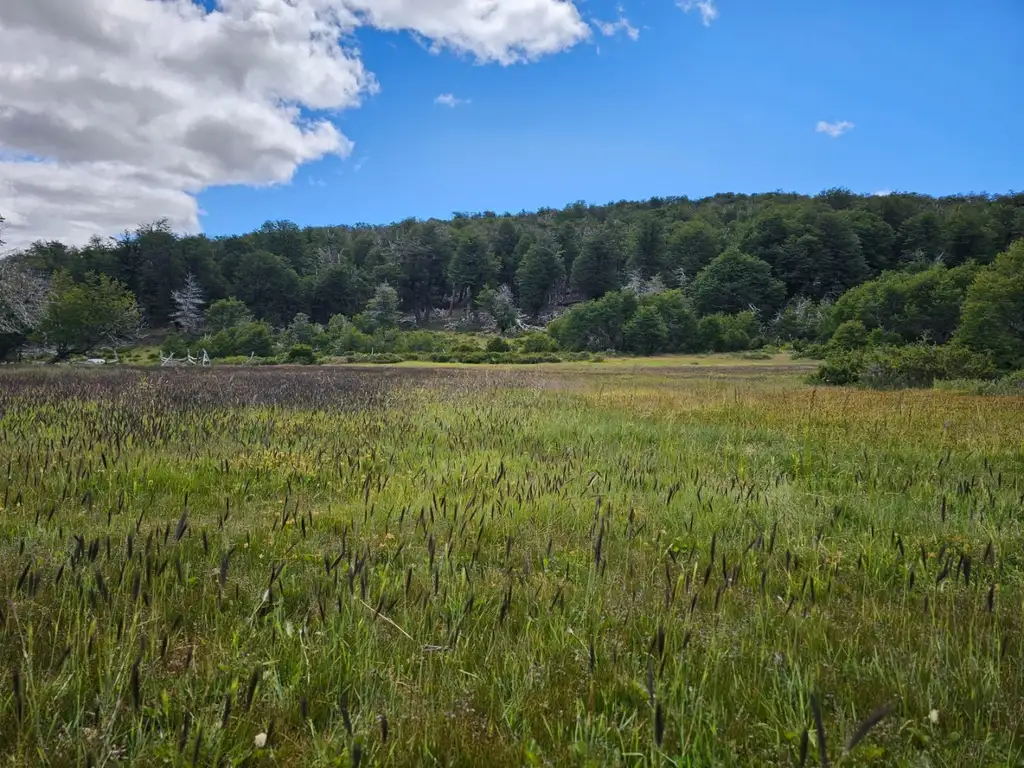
(837, 271)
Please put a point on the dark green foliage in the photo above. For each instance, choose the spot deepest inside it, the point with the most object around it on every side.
(735, 282)
(721, 332)
(595, 325)
(497, 344)
(596, 270)
(302, 354)
(691, 246)
(539, 278)
(100, 311)
(912, 365)
(268, 286)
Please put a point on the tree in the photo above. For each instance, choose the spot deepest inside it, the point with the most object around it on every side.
(993, 311)
(227, 313)
(646, 332)
(501, 306)
(691, 246)
(83, 316)
(24, 294)
(647, 246)
(734, 282)
(503, 246)
(338, 290)
(539, 277)
(189, 306)
(268, 286)
(382, 309)
(877, 239)
(471, 267)
(595, 270)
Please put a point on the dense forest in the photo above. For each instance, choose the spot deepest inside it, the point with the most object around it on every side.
(668, 274)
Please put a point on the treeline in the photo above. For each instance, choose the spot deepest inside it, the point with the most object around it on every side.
(669, 274)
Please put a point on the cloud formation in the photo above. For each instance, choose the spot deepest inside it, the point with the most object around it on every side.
(118, 112)
(450, 100)
(612, 28)
(835, 130)
(707, 8)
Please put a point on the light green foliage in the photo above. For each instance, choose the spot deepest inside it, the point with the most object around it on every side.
(509, 568)
(993, 311)
(921, 306)
(241, 340)
(382, 310)
(83, 316)
(646, 332)
(227, 313)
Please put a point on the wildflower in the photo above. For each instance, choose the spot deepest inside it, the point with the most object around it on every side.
(933, 717)
(260, 741)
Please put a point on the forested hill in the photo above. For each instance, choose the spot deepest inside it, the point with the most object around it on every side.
(816, 247)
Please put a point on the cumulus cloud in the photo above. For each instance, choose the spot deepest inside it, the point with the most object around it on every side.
(707, 8)
(118, 112)
(835, 130)
(882, 193)
(450, 100)
(612, 28)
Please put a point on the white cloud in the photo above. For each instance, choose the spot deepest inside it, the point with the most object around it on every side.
(708, 9)
(882, 193)
(118, 112)
(611, 28)
(449, 100)
(835, 130)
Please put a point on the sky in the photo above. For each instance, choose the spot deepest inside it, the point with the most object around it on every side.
(222, 114)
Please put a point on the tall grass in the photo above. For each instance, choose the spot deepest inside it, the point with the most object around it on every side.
(416, 567)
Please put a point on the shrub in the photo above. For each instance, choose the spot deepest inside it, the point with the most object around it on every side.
(727, 333)
(915, 365)
(534, 343)
(849, 335)
(646, 332)
(247, 339)
(302, 354)
(497, 344)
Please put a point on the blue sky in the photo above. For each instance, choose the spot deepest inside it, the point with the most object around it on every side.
(932, 90)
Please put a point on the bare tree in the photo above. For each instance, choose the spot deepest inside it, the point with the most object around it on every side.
(24, 295)
(189, 303)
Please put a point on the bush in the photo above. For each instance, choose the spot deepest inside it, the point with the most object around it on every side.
(848, 336)
(534, 343)
(497, 344)
(727, 333)
(915, 365)
(302, 354)
(175, 344)
(646, 332)
(247, 339)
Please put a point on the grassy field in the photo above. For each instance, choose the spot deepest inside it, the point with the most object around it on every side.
(589, 565)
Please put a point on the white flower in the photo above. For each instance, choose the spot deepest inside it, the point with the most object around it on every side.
(260, 741)
(933, 716)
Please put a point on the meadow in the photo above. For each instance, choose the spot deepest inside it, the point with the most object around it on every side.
(673, 565)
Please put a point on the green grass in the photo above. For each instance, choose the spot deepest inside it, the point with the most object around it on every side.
(508, 567)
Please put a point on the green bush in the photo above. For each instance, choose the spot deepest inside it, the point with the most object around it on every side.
(302, 354)
(915, 365)
(497, 344)
(848, 336)
(247, 339)
(727, 333)
(534, 343)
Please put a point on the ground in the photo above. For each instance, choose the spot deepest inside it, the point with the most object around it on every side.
(659, 563)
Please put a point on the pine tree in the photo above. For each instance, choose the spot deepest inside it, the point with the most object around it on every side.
(188, 304)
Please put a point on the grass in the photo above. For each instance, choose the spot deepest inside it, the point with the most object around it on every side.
(576, 566)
